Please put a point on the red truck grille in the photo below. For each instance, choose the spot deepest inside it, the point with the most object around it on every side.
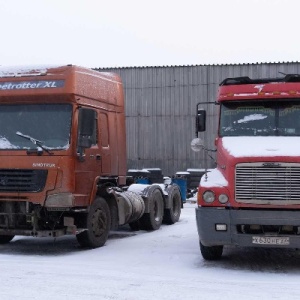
(267, 183)
(22, 180)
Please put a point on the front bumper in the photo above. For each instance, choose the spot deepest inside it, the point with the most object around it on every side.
(207, 218)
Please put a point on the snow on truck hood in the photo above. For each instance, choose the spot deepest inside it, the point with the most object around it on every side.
(262, 146)
(252, 146)
(213, 178)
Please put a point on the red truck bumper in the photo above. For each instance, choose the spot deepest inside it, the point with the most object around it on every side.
(251, 228)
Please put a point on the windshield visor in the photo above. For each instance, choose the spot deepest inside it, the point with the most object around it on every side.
(48, 123)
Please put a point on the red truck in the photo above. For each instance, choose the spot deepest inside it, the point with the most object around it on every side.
(63, 158)
(252, 197)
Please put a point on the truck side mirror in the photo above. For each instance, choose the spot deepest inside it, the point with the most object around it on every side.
(86, 128)
(200, 120)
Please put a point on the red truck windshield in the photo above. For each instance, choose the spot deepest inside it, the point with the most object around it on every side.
(260, 118)
(47, 123)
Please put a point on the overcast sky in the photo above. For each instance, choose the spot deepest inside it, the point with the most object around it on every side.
(127, 33)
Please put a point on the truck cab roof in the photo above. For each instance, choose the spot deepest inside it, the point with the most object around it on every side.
(248, 80)
(61, 80)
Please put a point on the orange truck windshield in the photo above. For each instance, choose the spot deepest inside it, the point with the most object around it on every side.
(25, 126)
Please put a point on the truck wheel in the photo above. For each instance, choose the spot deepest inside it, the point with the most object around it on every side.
(172, 214)
(212, 252)
(4, 239)
(153, 219)
(98, 225)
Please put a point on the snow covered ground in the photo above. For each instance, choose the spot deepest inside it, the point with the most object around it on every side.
(165, 264)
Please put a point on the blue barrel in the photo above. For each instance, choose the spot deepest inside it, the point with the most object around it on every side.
(142, 180)
(182, 183)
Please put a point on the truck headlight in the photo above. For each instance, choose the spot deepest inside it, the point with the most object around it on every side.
(209, 196)
(223, 198)
(60, 200)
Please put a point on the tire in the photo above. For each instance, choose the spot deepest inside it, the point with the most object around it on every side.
(212, 252)
(172, 214)
(153, 219)
(4, 239)
(98, 225)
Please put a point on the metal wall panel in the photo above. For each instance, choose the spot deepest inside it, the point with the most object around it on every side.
(160, 105)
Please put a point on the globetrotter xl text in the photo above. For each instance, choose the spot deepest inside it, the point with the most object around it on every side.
(38, 84)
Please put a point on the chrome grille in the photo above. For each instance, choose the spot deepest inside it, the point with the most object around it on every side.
(268, 183)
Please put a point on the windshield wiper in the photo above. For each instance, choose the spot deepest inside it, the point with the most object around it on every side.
(34, 141)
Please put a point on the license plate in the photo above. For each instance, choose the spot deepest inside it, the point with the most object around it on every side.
(270, 240)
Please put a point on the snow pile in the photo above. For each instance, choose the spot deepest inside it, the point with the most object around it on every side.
(165, 264)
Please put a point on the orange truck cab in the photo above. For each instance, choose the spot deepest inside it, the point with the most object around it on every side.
(252, 197)
(63, 158)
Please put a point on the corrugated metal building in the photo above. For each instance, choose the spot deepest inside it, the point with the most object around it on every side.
(161, 106)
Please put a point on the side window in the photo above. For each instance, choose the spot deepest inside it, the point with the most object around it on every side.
(87, 129)
(104, 130)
